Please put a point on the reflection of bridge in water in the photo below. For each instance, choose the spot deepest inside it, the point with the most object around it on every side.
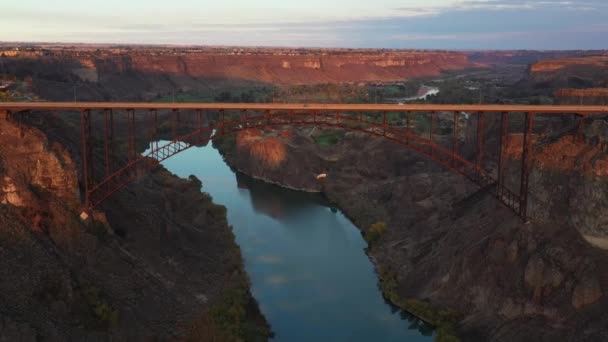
(110, 159)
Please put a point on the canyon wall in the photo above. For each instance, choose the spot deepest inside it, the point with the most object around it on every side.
(584, 72)
(285, 69)
(556, 64)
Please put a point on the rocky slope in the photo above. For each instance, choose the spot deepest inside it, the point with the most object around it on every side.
(159, 263)
(449, 246)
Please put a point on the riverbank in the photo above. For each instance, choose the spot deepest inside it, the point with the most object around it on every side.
(445, 245)
(306, 262)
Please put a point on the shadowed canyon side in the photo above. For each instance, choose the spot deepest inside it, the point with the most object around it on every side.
(542, 278)
(168, 268)
(581, 72)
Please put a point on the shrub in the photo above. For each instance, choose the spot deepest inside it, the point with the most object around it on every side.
(196, 181)
(375, 232)
(227, 321)
(106, 315)
(217, 211)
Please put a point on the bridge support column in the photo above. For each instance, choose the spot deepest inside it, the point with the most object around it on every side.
(408, 123)
(455, 138)
(480, 143)
(222, 121)
(85, 123)
(106, 140)
(525, 165)
(502, 147)
(432, 134)
(132, 131)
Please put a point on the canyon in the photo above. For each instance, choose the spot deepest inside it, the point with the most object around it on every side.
(450, 250)
(507, 280)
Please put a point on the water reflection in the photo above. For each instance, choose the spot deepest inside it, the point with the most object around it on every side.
(306, 261)
(275, 201)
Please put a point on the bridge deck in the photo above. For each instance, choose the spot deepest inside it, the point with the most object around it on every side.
(566, 109)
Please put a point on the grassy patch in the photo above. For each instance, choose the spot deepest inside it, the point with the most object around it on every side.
(329, 138)
(98, 229)
(227, 321)
(106, 316)
(375, 232)
(216, 211)
(226, 143)
(445, 320)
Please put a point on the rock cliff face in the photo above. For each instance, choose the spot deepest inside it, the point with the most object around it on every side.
(450, 245)
(31, 166)
(570, 182)
(526, 57)
(286, 69)
(596, 96)
(584, 72)
(159, 263)
(557, 64)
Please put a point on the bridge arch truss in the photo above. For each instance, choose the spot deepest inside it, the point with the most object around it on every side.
(416, 127)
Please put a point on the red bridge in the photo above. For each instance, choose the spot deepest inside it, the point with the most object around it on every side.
(413, 126)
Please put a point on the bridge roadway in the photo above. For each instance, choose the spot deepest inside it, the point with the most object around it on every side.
(559, 109)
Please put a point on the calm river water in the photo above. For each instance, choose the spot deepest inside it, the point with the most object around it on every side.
(306, 260)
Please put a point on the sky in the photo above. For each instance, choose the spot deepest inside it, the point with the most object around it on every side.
(408, 24)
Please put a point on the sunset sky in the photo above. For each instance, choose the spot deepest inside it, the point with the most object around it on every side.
(427, 24)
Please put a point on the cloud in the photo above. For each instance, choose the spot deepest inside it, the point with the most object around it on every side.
(434, 24)
(497, 5)
(458, 36)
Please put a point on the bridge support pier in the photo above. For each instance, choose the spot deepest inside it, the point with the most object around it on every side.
(504, 136)
(525, 165)
(455, 139)
(85, 121)
(480, 144)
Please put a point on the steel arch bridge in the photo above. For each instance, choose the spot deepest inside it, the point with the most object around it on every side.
(206, 121)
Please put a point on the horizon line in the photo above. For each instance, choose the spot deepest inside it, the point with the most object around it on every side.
(181, 45)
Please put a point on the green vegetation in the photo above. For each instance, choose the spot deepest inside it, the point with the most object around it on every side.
(228, 93)
(225, 143)
(216, 211)
(323, 93)
(445, 320)
(197, 182)
(375, 232)
(329, 138)
(104, 313)
(246, 95)
(99, 230)
(5, 97)
(227, 321)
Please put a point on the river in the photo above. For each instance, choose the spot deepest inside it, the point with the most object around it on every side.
(306, 260)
